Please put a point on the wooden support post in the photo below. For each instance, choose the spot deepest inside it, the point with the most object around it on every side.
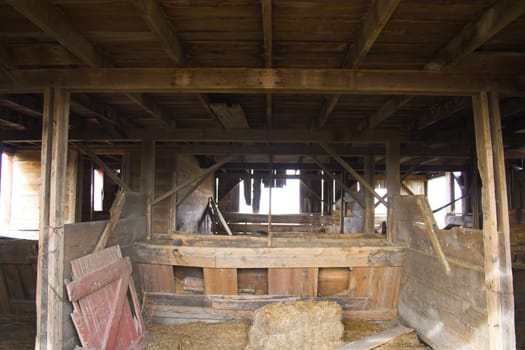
(147, 183)
(343, 203)
(503, 224)
(393, 184)
(270, 185)
(45, 179)
(54, 161)
(498, 275)
(369, 199)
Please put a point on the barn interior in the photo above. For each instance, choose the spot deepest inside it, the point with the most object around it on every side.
(249, 152)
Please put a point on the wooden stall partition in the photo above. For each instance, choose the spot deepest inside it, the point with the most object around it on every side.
(447, 308)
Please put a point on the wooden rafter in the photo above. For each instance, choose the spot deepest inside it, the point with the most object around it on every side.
(230, 116)
(149, 105)
(25, 107)
(384, 112)
(261, 80)
(477, 32)
(55, 23)
(159, 24)
(442, 111)
(101, 110)
(375, 20)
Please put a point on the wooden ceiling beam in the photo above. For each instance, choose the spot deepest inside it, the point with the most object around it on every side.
(230, 116)
(384, 112)
(375, 20)
(15, 121)
(22, 105)
(443, 111)
(477, 32)
(260, 80)
(159, 24)
(149, 105)
(55, 23)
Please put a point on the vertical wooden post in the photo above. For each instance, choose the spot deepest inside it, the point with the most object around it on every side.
(393, 184)
(55, 167)
(270, 186)
(45, 178)
(503, 224)
(71, 184)
(343, 203)
(498, 274)
(147, 184)
(474, 196)
(369, 198)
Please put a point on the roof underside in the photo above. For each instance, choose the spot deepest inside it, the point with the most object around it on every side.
(398, 36)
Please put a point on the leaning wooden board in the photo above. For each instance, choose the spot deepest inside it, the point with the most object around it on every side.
(101, 293)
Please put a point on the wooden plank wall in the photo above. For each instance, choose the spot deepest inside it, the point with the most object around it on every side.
(18, 261)
(164, 212)
(23, 208)
(448, 310)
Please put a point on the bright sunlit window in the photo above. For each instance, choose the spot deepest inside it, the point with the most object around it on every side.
(285, 200)
(98, 190)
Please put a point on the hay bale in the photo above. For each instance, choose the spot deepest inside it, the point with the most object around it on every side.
(304, 325)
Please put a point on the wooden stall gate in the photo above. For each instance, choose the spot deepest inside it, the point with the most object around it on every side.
(107, 313)
(80, 240)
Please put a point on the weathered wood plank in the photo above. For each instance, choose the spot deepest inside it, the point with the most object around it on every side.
(157, 278)
(116, 209)
(375, 340)
(220, 281)
(302, 282)
(281, 218)
(227, 257)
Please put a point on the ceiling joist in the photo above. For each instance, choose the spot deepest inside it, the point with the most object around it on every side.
(56, 24)
(384, 112)
(159, 24)
(476, 33)
(375, 20)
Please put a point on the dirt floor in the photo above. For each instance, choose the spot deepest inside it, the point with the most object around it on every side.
(17, 332)
(233, 335)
